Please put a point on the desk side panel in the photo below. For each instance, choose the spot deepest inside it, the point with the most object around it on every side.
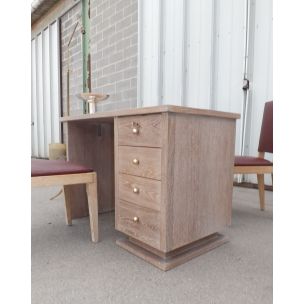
(200, 177)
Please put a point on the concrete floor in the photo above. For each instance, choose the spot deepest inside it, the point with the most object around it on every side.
(68, 268)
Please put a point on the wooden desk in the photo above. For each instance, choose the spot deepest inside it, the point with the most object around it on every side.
(167, 170)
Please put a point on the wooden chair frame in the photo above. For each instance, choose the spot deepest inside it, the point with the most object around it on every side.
(66, 180)
(259, 171)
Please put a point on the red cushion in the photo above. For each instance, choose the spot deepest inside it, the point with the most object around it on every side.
(43, 167)
(251, 161)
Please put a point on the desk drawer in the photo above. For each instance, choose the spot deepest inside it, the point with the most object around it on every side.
(140, 130)
(139, 161)
(140, 223)
(140, 191)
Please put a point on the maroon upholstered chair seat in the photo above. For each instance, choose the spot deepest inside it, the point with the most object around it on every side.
(63, 173)
(251, 161)
(43, 167)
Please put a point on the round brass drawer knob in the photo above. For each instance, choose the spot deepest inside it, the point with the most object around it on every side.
(135, 130)
(135, 127)
(135, 219)
(135, 161)
(136, 190)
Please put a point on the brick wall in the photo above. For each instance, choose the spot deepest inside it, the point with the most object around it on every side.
(68, 22)
(113, 34)
(114, 52)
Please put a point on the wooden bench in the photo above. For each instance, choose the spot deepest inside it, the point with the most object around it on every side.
(63, 173)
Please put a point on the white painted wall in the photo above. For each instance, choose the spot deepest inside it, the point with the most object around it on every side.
(45, 90)
(260, 75)
(192, 53)
(149, 22)
(198, 54)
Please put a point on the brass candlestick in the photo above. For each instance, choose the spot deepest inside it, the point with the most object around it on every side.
(91, 99)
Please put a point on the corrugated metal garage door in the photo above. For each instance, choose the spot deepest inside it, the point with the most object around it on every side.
(45, 90)
(194, 53)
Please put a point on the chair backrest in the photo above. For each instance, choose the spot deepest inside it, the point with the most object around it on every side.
(266, 135)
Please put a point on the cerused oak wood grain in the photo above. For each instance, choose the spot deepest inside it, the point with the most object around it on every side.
(148, 129)
(199, 177)
(68, 204)
(68, 181)
(253, 169)
(259, 171)
(181, 161)
(149, 161)
(109, 116)
(178, 257)
(93, 146)
(145, 229)
(62, 179)
(197, 154)
(147, 194)
(91, 189)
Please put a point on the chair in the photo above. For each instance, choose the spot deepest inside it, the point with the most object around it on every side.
(259, 165)
(63, 173)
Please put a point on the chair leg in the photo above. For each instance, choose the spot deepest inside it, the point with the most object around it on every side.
(261, 190)
(93, 209)
(272, 179)
(68, 207)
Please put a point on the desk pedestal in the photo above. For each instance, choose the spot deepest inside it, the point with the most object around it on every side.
(174, 258)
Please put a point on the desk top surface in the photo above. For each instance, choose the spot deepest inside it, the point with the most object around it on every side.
(150, 110)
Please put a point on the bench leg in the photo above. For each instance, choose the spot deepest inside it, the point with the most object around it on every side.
(68, 207)
(93, 209)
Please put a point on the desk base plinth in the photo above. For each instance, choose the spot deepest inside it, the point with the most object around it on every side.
(167, 261)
